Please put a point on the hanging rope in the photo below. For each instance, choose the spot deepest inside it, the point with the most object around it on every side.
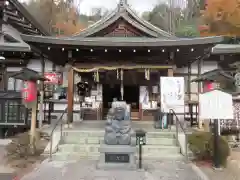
(147, 74)
(108, 68)
(96, 76)
(117, 74)
(121, 74)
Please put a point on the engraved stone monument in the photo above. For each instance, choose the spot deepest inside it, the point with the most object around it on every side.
(119, 147)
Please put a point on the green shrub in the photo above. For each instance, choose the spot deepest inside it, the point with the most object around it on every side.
(201, 144)
(223, 149)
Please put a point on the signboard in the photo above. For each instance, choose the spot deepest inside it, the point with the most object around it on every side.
(172, 93)
(215, 105)
(53, 78)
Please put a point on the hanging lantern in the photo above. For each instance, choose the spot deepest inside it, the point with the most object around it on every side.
(29, 92)
(121, 74)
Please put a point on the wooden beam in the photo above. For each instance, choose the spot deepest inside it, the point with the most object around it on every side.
(70, 93)
(41, 110)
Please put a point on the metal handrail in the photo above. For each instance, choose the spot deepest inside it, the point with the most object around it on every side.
(177, 133)
(51, 134)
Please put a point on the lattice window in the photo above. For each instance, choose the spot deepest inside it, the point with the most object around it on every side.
(14, 84)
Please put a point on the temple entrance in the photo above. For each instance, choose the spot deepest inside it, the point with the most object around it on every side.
(109, 93)
(131, 96)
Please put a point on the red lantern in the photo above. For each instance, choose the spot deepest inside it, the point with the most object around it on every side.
(29, 91)
(208, 86)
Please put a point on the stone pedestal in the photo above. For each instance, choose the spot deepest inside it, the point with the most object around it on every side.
(117, 157)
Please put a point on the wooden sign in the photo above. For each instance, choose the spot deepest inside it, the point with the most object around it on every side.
(53, 78)
(215, 104)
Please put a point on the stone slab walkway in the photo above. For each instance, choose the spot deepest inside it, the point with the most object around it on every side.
(86, 170)
(6, 173)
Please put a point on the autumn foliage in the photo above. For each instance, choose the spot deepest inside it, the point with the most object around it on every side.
(221, 17)
(68, 26)
(60, 17)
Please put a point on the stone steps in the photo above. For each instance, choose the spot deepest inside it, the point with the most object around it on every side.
(70, 156)
(147, 149)
(77, 145)
(92, 133)
(96, 137)
(100, 140)
(91, 151)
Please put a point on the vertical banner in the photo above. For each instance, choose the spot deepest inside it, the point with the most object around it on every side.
(144, 96)
(172, 94)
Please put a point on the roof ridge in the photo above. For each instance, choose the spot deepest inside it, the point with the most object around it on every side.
(146, 22)
(121, 10)
(29, 17)
(102, 20)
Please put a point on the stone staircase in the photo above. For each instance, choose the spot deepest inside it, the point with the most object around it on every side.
(79, 144)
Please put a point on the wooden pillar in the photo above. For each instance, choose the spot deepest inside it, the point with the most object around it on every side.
(199, 74)
(170, 116)
(200, 121)
(70, 95)
(189, 81)
(41, 107)
(170, 72)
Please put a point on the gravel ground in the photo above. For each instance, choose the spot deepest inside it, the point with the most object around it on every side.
(6, 173)
(231, 172)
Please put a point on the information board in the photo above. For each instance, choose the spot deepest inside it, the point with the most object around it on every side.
(215, 104)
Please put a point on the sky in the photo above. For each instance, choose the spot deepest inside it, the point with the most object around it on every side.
(86, 5)
(138, 5)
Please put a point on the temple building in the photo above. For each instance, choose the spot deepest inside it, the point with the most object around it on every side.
(121, 57)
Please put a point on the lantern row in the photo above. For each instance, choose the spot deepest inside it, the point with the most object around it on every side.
(119, 50)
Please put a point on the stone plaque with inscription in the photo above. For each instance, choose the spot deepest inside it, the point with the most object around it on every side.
(116, 158)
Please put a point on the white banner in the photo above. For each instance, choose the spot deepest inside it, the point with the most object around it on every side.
(172, 93)
(144, 97)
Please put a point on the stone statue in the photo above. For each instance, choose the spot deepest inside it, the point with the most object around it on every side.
(118, 129)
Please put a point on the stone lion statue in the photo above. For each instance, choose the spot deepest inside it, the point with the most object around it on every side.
(118, 130)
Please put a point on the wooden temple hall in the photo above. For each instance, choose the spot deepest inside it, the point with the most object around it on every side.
(119, 57)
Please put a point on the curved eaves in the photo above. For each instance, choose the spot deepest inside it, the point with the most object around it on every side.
(148, 24)
(139, 26)
(114, 19)
(97, 24)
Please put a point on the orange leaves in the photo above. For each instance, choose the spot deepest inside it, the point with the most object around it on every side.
(67, 28)
(59, 16)
(67, 22)
(222, 17)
